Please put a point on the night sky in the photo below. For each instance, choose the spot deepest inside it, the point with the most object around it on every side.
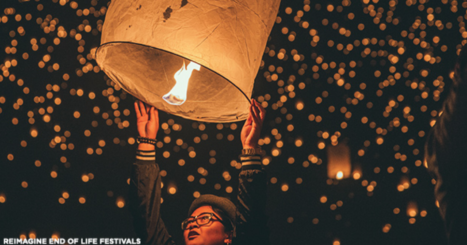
(368, 74)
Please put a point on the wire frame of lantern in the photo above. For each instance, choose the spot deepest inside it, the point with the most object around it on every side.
(196, 59)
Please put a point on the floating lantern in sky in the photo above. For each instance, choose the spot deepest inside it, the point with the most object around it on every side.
(357, 171)
(218, 44)
(339, 166)
(412, 209)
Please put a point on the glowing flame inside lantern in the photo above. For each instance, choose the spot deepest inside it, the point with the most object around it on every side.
(340, 175)
(177, 95)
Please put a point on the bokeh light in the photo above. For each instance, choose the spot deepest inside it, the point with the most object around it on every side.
(371, 72)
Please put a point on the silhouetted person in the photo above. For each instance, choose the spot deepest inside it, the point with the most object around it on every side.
(446, 156)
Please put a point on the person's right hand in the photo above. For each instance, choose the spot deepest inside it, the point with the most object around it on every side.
(147, 122)
(252, 128)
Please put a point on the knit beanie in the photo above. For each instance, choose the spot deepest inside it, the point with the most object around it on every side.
(222, 203)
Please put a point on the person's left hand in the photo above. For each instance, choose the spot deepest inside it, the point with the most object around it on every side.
(253, 125)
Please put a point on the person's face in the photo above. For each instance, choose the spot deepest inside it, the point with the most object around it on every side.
(210, 234)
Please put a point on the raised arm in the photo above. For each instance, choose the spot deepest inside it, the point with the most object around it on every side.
(147, 123)
(252, 189)
(145, 186)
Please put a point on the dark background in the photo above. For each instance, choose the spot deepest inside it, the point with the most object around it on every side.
(35, 204)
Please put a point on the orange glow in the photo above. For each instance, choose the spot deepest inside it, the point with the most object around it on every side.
(412, 209)
(323, 199)
(356, 175)
(177, 96)
(65, 195)
(339, 164)
(120, 202)
(34, 133)
(275, 152)
(387, 228)
(82, 200)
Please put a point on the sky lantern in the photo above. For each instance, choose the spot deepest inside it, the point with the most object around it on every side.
(357, 171)
(412, 209)
(196, 59)
(339, 166)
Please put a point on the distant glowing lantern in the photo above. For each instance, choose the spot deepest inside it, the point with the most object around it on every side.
(404, 183)
(193, 58)
(357, 171)
(339, 166)
(412, 209)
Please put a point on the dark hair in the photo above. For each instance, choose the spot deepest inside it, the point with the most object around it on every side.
(228, 224)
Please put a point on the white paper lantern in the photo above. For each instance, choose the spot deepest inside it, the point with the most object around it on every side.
(145, 43)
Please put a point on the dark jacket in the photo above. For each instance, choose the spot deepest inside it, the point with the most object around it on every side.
(145, 202)
(446, 157)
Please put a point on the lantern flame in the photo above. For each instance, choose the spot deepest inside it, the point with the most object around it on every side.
(177, 96)
(340, 175)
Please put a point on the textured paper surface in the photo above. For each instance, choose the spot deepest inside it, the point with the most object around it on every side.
(145, 42)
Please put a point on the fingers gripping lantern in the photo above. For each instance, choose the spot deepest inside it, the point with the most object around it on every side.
(216, 44)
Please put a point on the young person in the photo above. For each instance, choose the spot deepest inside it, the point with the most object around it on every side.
(211, 220)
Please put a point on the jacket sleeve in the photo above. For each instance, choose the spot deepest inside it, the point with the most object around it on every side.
(251, 223)
(145, 200)
(446, 159)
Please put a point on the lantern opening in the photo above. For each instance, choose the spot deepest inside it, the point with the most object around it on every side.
(177, 94)
(206, 98)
